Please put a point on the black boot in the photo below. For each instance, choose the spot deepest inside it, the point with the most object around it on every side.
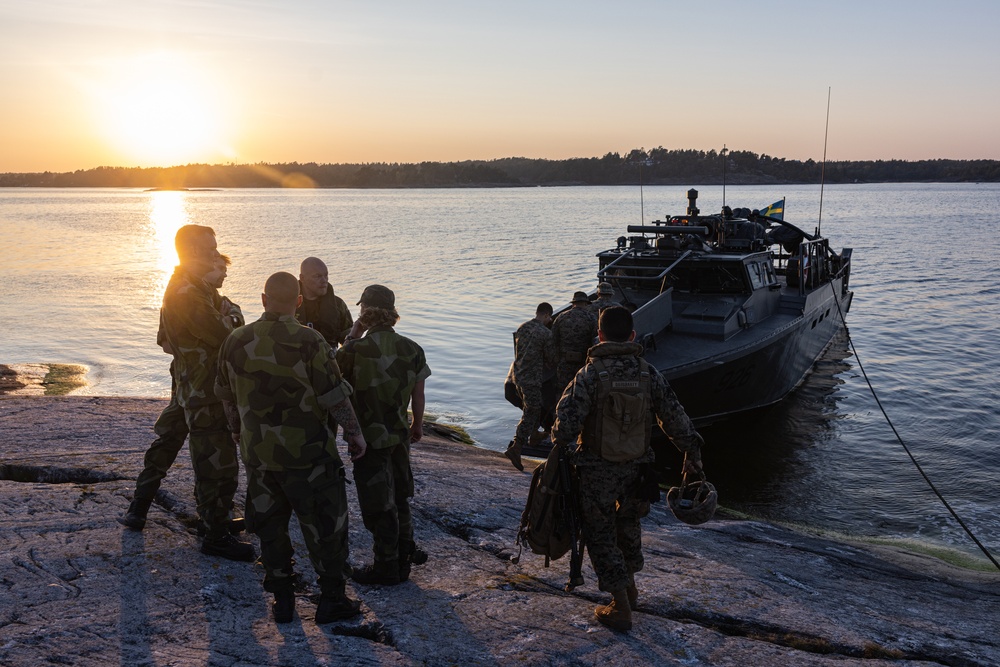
(334, 605)
(380, 573)
(283, 607)
(229, 547)
(135, 517)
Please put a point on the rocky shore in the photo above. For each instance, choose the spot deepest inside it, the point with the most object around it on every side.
(78, 589)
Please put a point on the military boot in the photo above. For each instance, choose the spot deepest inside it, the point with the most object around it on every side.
(409, 555)
(229, 547)
(135, 517)
(514, 454)
(283, 607)
(380, 573)
(334, 605)
(633, 593)
(618, 614)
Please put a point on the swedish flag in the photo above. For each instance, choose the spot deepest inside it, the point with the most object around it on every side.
(775, 210)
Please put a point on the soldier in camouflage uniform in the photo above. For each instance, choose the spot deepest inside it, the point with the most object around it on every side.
(194, 320)
(533, 351)
(387, 371)
(573, 332)
(609, 510)
(283, 380)
(605, 299)
(321, 309)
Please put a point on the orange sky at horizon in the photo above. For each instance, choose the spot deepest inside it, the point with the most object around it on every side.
(164, 83)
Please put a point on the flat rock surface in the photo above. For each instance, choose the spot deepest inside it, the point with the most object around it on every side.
(78, 589)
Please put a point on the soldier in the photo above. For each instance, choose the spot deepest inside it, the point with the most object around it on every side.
(533, 351)
(387, 372)
(605, 299)
(614, 387)
(194, 320)
(321, 309)
(573, 332)
(282, 378)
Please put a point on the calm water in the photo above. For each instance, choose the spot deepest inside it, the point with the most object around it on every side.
(83, 272)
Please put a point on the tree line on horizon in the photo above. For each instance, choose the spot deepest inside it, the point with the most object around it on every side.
(657, 166)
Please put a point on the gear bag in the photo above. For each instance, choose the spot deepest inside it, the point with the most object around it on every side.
(623, 420)
(548, 521)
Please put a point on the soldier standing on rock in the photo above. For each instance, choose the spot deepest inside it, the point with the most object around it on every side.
(387, 371)
(573, 332)
(194, 320)
(283, 379)
(321, 309)
(533, 351)
(601, 406)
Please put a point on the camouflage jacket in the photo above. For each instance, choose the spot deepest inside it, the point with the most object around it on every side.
(573, 333)
(328, 315)
(533, 351)
(383, 368)
(191, 323)
(600, 304)
(283, 379)
(622, 361)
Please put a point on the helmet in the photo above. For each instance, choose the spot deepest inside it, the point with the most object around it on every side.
(693, 503)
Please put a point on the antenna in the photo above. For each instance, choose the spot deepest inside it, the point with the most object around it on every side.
(724, 161)
(822, 173)
(642, 207)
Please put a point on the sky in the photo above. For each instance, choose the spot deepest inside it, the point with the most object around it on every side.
(87, 83)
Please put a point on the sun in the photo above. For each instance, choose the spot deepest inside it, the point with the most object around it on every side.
(162, 110)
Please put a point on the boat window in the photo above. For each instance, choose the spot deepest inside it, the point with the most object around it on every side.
(708, 279)
(756, 275)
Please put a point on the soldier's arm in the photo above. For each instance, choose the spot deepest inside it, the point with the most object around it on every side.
(417, 402)
(549, 349)
(571, 411)
(333, 392)
(675, 423)
(236, 313)
(193, 311)
(223, 390)
(346, 320)
(343, 412)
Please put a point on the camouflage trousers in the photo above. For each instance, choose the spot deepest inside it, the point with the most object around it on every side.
(385, 485)
(609, 517)
(318, 496)
(171, 431)
(531, 416)
(216, 466)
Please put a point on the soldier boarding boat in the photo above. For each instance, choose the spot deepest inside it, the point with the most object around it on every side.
(730, 323)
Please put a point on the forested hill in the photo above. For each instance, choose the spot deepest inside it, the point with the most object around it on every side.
(658, 166)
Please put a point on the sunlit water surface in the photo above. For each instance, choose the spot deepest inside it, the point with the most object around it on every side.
(84, 270)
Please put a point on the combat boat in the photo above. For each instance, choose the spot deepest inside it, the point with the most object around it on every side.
(733, 309)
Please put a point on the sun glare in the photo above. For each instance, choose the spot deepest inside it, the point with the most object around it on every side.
(161, 110)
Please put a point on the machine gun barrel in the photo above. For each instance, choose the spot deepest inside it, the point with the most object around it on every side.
(669, 229)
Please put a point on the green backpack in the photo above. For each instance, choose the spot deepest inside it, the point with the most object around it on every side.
(623, 418)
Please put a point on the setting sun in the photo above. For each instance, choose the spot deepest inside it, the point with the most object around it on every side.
(161, 109)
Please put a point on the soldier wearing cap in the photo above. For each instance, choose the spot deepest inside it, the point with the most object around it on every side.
(605, 299)
(573, 332)
(388, 372)
(283, 380)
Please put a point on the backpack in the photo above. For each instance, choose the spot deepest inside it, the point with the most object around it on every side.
(548, 523)
(623, 418)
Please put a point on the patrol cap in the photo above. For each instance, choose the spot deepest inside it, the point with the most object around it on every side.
(605, 288)
(378, 296)
(580, 296)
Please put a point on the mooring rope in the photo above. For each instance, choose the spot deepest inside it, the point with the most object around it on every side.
(900, 438)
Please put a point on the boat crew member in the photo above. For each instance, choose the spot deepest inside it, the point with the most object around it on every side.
(282, 378)
(614, 384)
(573, 332)
(533, 352)
(194, 320)
(388, 372)
(321, 309)
(605, 299)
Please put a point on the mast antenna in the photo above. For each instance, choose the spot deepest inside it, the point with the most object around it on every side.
(822, 176)
(642, 207)
(724, 161)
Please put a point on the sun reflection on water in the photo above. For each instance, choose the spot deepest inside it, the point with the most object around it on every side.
(167, 213)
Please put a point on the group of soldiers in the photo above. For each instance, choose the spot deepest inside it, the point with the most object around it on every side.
(277, 390)
(609, 398)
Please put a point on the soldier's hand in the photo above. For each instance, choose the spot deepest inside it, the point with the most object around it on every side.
(692, 467)
(416, 432)
(356, 446)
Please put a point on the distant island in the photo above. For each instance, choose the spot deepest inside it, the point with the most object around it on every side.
(658, 166)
